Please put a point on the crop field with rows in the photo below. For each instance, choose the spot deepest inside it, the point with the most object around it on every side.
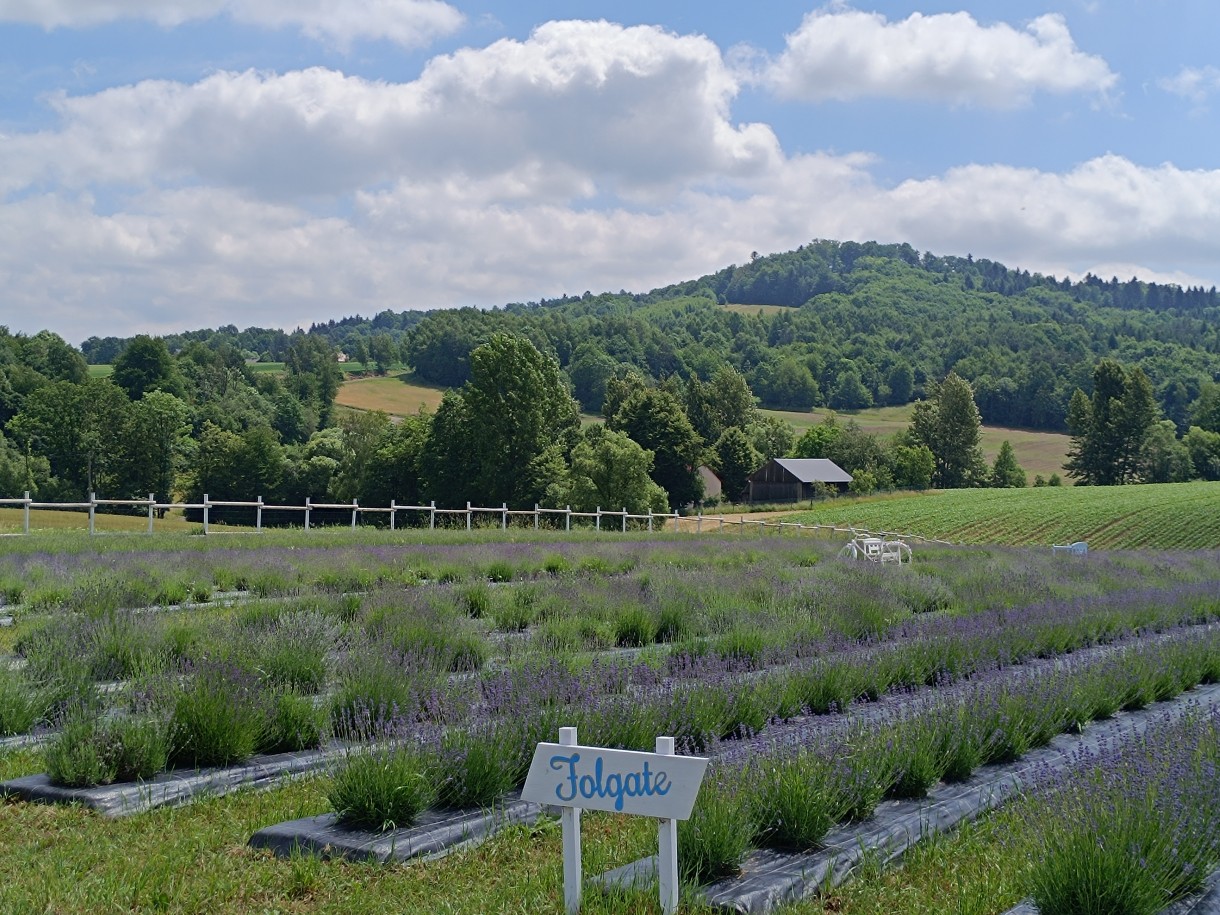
(403, 679)
(1163, 516)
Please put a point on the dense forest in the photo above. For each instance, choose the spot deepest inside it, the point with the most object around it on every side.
(845, 325)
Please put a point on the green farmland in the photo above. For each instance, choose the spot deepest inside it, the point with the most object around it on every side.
(1162, 516)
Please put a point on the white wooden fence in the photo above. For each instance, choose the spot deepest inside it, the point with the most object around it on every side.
(603, 519)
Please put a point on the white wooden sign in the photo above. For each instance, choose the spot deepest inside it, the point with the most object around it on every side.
(657, 784)
(620, 781)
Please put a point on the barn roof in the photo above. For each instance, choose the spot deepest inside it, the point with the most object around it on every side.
(814, 470)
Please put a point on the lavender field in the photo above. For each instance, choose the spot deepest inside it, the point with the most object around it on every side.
(426, 669)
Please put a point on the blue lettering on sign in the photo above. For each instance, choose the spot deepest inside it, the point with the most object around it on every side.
(644, 783)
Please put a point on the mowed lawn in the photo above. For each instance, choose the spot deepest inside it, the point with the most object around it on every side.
(395, 394)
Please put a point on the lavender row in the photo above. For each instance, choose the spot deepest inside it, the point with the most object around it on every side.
(1132, 827)
(788, 793)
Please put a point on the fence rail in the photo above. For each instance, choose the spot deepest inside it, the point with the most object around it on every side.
(699, 523)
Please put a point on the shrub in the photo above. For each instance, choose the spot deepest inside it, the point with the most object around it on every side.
(634, 628)
(713, 842)
(501, 571)
(383, 788)
(220, 717)
(795, 799)
(89, 752)
(481, 764)
(19, 705)
(673, 624)
(476, 600)
(296, 723)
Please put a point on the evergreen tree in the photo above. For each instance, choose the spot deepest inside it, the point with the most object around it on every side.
(1006, 473)
(1108, 429)
(949, 425)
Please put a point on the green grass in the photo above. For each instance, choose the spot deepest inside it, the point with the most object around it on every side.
(395, 394)
(1162, 516)
(11, 521)
(1037, 452)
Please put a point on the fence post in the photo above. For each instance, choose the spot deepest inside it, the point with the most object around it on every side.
(355, 509)
(469, 516)
(393, 513)
(535, 516)
(624, 519)
(650, 520)
(598, 522)
(567, 525)
(432, 519)
(675, 521)
(258, 516)
(152, 504)
(307, 501)
(25, 513)
(722, 521)
(92, 511)
(503, 516)
(205, 514)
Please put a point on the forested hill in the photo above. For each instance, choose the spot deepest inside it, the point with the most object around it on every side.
(822, 267)
(847, 325)
(852, 325)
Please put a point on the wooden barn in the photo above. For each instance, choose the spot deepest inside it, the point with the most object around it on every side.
(793, 479)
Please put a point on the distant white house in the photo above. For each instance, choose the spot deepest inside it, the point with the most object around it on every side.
(793, 479)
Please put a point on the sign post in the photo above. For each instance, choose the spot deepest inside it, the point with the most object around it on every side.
(660, 785)
(667, 846)
(570, 823)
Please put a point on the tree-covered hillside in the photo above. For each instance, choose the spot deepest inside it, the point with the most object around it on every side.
(858, 324)
(865, 324)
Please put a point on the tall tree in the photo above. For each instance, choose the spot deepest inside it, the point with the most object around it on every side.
(609, 471)
(146, 365)
(1108, 429)
(515, 405)
(383, 352)
(157, 427)
(79, 429)
(655, 420)
(313, 373)
(949, 425)
(735, 460)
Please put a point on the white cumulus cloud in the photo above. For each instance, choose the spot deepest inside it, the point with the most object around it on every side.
(410, 23)
(844, 54)
(1194, 83)
(576, 106)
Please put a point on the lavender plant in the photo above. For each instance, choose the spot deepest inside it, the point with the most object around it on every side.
(1139, 829)
(383, 788)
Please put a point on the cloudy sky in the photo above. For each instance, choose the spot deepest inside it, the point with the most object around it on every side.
(175, 164)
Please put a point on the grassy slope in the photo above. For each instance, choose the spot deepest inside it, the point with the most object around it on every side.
(395, 394)
(1166, 516)
(1037, 452)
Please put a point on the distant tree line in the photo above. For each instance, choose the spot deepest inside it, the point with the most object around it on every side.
(1128, 369)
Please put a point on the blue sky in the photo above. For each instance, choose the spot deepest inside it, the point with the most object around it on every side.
(174, 164)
